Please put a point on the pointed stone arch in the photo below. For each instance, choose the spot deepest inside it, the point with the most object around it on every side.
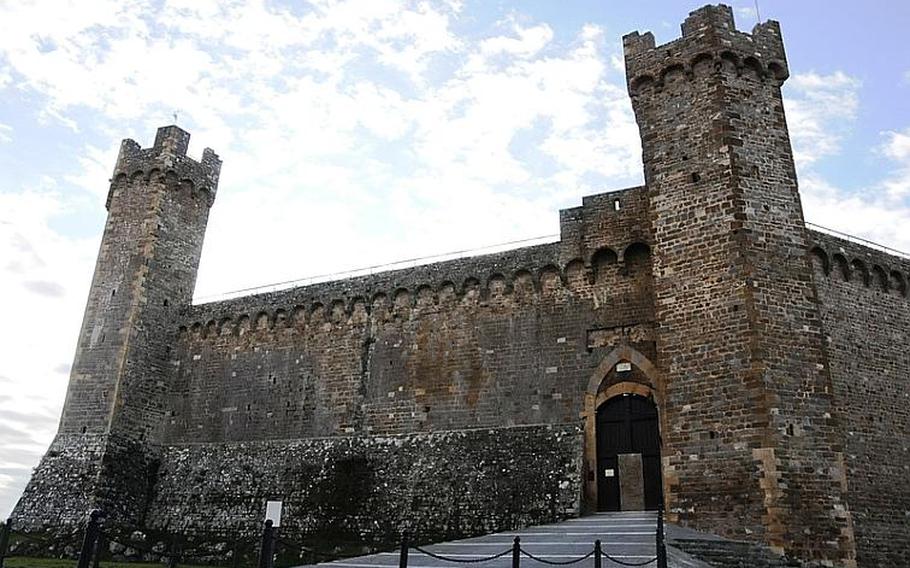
(594, 398)
(621, 353)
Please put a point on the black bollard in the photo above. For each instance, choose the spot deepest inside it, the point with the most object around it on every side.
(238, 552)
(403, 555)
(173, 557)
(516, 552)
(5, 531)
(661, 545)
(92, 531)
(598, 554)
(267, 547)
(99, 550)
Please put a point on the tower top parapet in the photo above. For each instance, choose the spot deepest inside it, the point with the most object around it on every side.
(168, 157)
(708, 33)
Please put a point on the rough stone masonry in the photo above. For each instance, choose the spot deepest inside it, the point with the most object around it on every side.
(463, 397)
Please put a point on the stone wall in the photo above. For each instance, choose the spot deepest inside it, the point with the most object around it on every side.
(61, 491)
(866, 319)
(369, 488)
(488, 341)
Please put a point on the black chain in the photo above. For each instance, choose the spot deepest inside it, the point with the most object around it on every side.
(139, 547)
(620, 562)
(294, 545)
(31, 538)
(556, 562)
(303, 549)
(461, 560)
(178, 555)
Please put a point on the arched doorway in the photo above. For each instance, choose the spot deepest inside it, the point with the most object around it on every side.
(628, 454)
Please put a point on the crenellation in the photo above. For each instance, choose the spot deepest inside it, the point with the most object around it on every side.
(845, 261)
(545, 281)
(166, 161)
(709, 39)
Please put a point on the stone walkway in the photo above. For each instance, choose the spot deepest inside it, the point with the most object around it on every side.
(628, 537)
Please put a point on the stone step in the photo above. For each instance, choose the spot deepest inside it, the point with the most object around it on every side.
(625, 537)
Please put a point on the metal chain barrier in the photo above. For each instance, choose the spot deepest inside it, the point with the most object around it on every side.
(173, 554)
(136, 546)
(558, 562)
(96, 538)
(462, 560)
(32, 538)
(304, 549)
(624, 563)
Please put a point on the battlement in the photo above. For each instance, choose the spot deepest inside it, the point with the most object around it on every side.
(167, 157)
(709, 36)
(518, 276)
(846, 261)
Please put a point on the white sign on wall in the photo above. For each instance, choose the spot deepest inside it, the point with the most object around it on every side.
(273, 512)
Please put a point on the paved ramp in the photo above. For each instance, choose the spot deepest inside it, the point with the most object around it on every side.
(626, 537)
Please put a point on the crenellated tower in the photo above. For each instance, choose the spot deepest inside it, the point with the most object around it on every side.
(750, 446)
(104, 452)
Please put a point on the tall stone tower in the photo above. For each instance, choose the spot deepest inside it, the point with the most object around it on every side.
(104, 453)
(747, 415)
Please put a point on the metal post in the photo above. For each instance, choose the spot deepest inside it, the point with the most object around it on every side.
(92, 529)
(267, 547)
(99, 549)
(661, 545)
(235, 561)
(403, 555)
(598, 554)
(173, 557)
(516, 552)
(5, 531)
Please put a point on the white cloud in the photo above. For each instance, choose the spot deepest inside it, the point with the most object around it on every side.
(5, 132)
(745, 16)
(897, 146)
(45, 279)
(821, 110)
(868, 215)
(530, 41)
(897, 184)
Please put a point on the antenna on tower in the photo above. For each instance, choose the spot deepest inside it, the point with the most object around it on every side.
(757, 12)
(175, 118)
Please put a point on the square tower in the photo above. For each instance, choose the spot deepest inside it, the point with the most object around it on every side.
(749, 440)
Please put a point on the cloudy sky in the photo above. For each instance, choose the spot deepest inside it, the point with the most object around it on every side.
(364, 132)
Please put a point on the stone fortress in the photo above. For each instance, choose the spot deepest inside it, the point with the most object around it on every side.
(689, 341)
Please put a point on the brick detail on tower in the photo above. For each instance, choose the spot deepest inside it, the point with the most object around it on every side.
(751, 436)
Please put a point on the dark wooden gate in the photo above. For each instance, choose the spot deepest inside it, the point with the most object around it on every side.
(627, 424)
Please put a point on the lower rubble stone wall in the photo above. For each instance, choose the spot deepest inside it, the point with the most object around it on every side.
(439, 485)
(61, 492)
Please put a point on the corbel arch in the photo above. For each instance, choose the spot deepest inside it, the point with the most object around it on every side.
(594, 397)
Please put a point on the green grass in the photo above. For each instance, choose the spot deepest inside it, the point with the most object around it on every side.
(25, 562)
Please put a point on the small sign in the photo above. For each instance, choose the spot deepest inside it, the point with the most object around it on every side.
(609, 473)
(623, 367)
(273, 512)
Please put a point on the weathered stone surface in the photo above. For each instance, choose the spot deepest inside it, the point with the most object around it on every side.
(370, 488)
(866, 320)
